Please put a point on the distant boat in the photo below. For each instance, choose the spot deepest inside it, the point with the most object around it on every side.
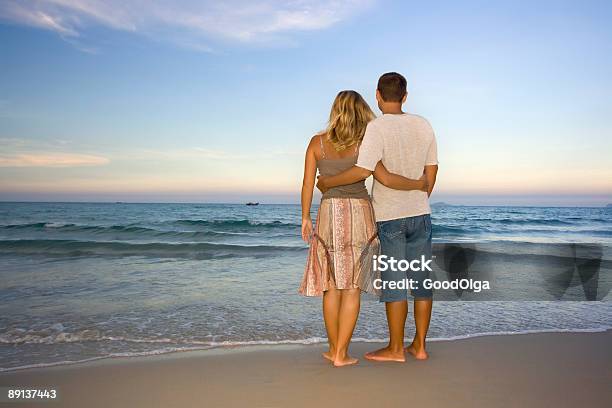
(251, 203)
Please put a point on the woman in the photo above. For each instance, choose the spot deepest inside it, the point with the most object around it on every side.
(339, 262)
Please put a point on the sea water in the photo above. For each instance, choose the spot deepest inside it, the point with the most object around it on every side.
(81, 281)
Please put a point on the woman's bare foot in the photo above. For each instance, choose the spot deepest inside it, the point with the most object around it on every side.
(418, 353)
(329, 355)
(386, 354)
(344, 361)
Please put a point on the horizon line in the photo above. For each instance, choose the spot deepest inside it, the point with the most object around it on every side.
(439, 203)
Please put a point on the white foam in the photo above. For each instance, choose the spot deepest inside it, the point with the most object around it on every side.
(308, 341)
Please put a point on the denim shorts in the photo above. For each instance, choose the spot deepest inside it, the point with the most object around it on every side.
(405, 239)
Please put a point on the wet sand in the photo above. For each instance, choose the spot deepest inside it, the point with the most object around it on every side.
(532, 370)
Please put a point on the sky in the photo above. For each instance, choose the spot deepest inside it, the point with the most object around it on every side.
(203, 101)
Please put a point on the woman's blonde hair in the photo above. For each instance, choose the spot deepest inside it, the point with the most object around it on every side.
(348, 119)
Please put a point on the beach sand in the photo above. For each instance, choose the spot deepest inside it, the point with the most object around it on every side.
(531, 370)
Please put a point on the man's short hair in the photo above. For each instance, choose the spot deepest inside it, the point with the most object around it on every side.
(392, 87)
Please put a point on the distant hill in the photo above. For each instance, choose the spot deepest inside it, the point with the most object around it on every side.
(609, 206)
(441, 204)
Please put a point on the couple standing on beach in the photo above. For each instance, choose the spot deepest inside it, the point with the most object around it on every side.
(399, 149)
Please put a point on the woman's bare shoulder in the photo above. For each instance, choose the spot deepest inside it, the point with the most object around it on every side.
(317, 137)
(315, 144)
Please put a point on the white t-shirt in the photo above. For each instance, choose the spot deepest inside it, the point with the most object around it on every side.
(405, 143)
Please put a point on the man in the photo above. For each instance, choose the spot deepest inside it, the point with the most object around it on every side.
(407, 146)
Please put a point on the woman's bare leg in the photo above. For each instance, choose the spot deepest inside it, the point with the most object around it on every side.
(331, 310)
(349, 312)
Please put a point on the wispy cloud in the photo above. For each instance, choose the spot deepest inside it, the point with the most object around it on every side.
(51, 160)
(30, 152)
(24, 152)
(204, 153)
(190, 23)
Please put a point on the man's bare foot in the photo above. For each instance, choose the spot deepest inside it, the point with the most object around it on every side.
(344, 361)
(385, 354)
(328, 355)
(418, 353)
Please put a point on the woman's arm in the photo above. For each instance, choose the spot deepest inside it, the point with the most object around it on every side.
(397, 182)
(431, 172)
(310, 170)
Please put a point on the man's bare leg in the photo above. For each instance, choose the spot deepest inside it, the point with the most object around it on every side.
(396, 319)
(331, 310)
(422, 317)
(349, 311)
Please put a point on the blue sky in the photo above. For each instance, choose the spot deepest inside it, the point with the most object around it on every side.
(216, 101)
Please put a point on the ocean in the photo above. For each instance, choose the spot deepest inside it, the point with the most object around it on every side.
(83, 281)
